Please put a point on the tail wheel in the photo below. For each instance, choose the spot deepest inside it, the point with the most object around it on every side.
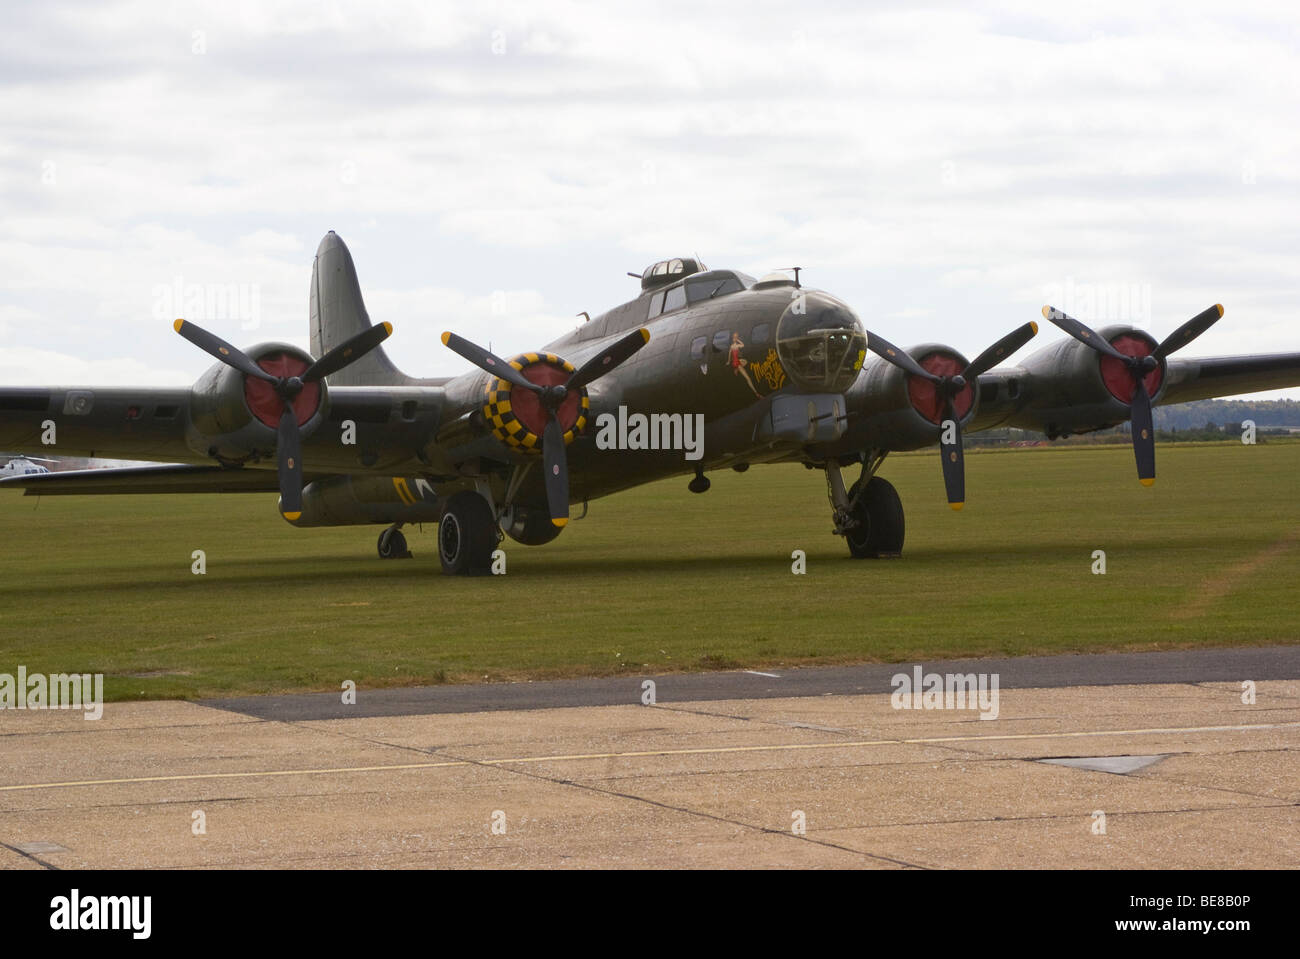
(880, 530)
(467, 535)
(392, 545)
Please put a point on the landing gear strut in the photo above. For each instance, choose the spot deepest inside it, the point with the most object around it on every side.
(392, 544)
(870, 515)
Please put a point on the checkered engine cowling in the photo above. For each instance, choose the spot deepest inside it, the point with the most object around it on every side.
(517, 416)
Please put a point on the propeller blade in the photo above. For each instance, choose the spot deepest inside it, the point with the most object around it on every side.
(1189, 331)
(348, 352)
(488, 362)
(1000, 350)
(954, 459)
(1084, 335)
(601, 364)
(1144, 434)
(289, 454)
(887, 351)
(222, 350)
(555, 462)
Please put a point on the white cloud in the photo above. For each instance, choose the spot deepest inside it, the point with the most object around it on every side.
(935, 167)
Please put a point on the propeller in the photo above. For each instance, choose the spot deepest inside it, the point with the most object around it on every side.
(554, 458)
(1139, 368)
(288, 442)
(948, 388)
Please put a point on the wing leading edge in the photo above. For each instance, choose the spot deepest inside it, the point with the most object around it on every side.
(163, 478)
(1057, 397)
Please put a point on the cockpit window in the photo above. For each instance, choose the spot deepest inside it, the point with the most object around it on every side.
(656, 305)
(712, 287)
(674, 298)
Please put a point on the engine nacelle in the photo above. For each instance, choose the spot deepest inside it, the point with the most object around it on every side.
(516, 415)
(529, 525)
(234, 417)
(1077, 390)
(894, 410)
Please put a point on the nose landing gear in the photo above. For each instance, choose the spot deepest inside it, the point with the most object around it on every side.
(870, 515)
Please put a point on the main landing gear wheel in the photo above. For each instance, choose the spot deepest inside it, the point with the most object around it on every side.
(879, 512)
(392, 544)
(467, 535)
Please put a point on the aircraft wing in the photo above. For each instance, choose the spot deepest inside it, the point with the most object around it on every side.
(126, 423)
(1208, 379)
(387, 430)
(163, 478)
(1059, 396)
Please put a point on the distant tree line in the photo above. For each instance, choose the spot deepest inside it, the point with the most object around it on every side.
(1265, 413)
(1202, 421)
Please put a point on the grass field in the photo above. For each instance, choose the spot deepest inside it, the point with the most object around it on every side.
(658, 579)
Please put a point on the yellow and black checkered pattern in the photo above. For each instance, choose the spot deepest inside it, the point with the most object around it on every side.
(506, 426)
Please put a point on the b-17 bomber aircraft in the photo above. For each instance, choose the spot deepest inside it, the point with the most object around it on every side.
(703, 370)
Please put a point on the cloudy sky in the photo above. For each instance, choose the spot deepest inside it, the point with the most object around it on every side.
(497, 168)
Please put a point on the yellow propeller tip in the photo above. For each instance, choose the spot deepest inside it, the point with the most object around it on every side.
(292, 517)
(956, 507)
(445, 338)
(1034, 327)
(177, 325)
(645, 335)
(560, 521)
(388, 328)
(1047, 312)
(1219, 307)
(1148, 482)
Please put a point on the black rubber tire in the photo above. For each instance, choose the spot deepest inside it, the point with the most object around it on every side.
(392, 545)
(881, 528)
(467, 535)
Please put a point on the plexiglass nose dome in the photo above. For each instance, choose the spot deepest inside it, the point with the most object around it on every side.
(821, 343)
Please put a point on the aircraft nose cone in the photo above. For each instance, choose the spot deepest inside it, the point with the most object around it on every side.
(820, 343)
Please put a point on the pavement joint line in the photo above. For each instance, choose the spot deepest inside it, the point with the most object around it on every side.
(608, 791)
(1058, 817)
(243, 720)
(703, 814)
(639, 754)
(32, 856)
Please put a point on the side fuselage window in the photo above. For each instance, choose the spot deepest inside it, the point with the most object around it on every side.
(698, 346)
(761, 334)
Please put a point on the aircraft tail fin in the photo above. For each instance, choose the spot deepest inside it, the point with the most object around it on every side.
(338, 312)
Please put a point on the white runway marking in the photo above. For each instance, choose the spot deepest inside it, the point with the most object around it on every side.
(641, 754)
